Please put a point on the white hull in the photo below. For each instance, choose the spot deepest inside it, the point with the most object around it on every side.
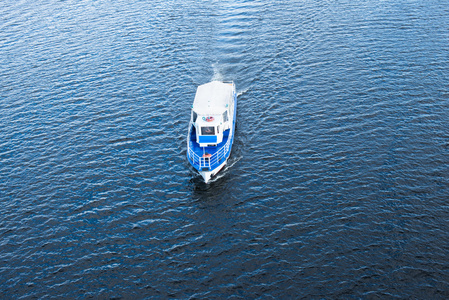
(207, 175)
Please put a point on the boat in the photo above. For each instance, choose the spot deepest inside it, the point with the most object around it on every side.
(211, 127)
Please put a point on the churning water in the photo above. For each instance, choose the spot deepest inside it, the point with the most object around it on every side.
(337, 186)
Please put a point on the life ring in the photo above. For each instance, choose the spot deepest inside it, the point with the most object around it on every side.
(207, 155)
(209, 119)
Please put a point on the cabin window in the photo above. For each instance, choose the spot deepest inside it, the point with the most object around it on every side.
(225, 116)
(209, 130)
(194, 116)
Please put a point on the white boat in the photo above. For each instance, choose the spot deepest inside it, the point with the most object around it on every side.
(211, 127)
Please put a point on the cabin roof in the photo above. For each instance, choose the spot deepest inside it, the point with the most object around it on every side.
(213, 98)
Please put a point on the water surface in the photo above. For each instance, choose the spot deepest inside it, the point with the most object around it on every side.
(337, 186)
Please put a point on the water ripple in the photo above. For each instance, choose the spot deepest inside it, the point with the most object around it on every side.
(337, 182)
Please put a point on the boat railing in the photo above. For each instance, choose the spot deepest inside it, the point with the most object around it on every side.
(209, 162)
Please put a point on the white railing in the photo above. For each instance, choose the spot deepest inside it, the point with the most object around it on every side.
(212, 161)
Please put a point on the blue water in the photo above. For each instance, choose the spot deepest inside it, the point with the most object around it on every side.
(338, 181)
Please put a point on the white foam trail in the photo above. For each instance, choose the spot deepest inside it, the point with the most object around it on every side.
(242, 92)
(217, 74)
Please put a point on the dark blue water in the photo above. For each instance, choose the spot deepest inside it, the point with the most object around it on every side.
(338, 182)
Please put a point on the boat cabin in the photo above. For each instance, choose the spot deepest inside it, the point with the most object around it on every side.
(211, 112)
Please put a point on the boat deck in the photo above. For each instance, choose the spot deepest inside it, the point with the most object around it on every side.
(209, 159)
(207, 150)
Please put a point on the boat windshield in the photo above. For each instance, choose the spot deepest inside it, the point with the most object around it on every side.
(208, 130)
